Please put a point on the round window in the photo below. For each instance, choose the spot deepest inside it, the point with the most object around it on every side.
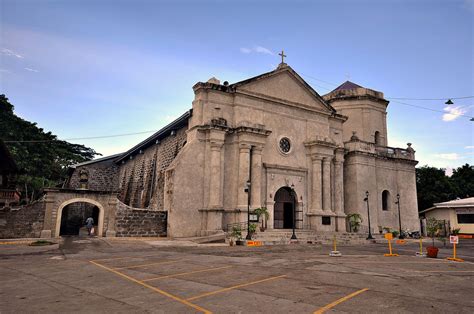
(285, 145)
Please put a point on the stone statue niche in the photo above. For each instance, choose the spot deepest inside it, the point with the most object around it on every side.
(83, 179)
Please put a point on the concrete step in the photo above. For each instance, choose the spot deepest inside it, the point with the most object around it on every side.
(272, 237)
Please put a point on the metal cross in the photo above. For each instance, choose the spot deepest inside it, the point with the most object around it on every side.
(282, 54)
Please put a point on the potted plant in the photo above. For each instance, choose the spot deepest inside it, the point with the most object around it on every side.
(455, 231)
(252, 229)
(432, 228)
(262, 213)
(237, 234)
(354, 222)
(395, 233)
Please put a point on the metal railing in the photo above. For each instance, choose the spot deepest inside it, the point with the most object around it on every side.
(230, 227)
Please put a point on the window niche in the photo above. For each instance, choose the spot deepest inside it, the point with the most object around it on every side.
(385, 200)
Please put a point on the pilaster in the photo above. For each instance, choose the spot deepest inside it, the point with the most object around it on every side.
(326, 184)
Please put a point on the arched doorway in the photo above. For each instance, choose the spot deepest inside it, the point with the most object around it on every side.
(74, 216)
(71, 216)
(283, 211)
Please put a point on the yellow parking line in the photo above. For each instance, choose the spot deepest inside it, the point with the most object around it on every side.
(123, 257)
(233, 287)
(169, 295)
(15, 242)
(144, 265)
(187, 273)
(333, 304)
(446, 271)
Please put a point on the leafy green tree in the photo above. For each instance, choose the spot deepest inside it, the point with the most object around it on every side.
(463, 179)
(433, 186)
(41, 157)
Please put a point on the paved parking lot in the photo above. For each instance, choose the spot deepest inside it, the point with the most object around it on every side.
(96, 275)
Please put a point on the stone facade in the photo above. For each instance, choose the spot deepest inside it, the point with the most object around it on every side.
(102, 175)
(23, 222)
(275, 132)
(269, 141)
(141, 178)
(138, 222)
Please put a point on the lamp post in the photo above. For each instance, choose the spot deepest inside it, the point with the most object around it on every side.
(293, 236)
(249, 236)
(400, 236)
(369, 237)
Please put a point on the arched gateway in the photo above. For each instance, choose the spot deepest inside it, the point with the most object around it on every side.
(284, 208)
(58, 200)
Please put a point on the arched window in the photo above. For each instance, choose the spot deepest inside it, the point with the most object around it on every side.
(377, 138)
(385, 200)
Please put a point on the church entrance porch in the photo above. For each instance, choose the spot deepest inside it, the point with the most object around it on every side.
(284, 209)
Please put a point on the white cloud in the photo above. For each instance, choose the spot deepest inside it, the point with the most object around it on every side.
(256, 49)
(453, 112)
(31, 70)
(263, 50)
(449, 156)
(11, 53)
(469, 147)
(4, 71)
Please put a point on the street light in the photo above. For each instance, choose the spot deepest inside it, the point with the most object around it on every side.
(369, 237)
(401, 236)
(293, 236)
(249, 236)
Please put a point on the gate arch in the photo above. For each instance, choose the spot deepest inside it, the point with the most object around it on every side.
(100, 223)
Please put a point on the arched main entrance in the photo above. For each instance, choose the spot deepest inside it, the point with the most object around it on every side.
(283, 210)
(67, 223)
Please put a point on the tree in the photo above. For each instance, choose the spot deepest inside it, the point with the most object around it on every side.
(40, 156)
(463, 179)
(433, 186)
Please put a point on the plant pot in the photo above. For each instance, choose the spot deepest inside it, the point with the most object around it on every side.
(432, 251)
(240, 242)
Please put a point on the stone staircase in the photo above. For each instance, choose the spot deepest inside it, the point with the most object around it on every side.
(283, 236)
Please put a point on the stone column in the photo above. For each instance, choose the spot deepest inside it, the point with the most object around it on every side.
(256, 188)
(244, 153)
(339, 187)
(316, 191)
(215, 176)
(326, 183)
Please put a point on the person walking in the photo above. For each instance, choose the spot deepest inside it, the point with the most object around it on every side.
(90, 225)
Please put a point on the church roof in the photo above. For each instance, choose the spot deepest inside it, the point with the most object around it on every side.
(347, 85)
(162, 133)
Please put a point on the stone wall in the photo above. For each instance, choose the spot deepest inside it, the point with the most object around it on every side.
(141, 180)
(137, 222)
(23, 222)
(102, 176)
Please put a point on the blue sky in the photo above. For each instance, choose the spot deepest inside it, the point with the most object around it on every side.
(89, 68)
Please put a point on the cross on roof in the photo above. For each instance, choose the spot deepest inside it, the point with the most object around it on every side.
(282, 54)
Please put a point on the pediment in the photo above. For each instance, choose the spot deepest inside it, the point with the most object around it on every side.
(286, 85)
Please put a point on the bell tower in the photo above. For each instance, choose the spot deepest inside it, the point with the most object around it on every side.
(366, 110)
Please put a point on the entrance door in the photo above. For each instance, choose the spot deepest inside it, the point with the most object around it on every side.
(283, 210)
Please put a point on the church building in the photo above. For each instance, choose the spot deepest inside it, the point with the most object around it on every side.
(269, 141)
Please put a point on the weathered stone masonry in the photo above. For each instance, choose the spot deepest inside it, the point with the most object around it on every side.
(142, 176)
(24, 222)
(138, 222)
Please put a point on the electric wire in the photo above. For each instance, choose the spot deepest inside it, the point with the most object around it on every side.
(394, 99)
